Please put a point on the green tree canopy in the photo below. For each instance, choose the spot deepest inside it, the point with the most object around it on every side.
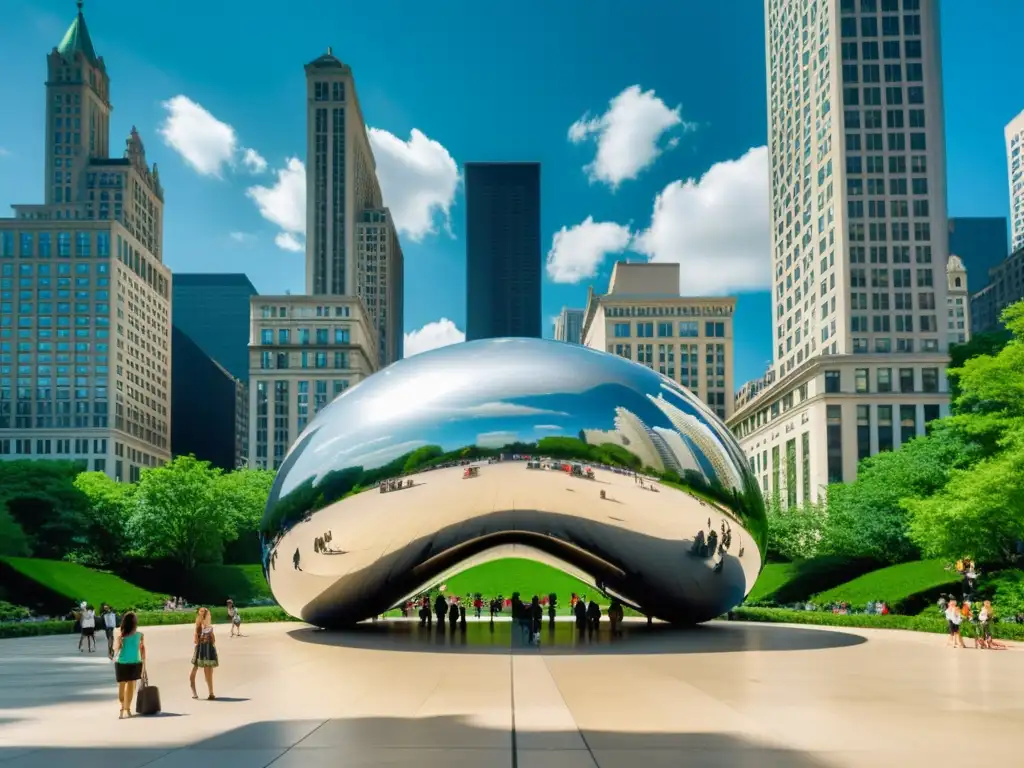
(867, 518)
(179, 513)
(110, 505)
(42, 498)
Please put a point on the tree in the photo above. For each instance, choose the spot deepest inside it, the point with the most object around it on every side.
(244, 495)
(867, 518)
(13, 541)
(179, 513)
(110, 504)
(795, 533)
(41, 497)
(980, 513)
(978, 345)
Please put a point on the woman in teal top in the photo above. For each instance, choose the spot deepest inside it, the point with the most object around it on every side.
(130, 656)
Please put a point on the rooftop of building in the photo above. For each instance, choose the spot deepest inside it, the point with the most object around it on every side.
(213, 279)
(77, 40)
(328, 61)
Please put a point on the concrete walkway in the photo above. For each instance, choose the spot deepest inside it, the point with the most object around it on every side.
(724, 695)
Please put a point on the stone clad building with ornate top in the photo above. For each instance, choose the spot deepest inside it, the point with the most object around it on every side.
(85, 299)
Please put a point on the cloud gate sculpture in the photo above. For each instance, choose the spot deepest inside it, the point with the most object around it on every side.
(513, 448)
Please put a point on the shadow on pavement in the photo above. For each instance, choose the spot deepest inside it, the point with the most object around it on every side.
(563, 639)
(423, 742)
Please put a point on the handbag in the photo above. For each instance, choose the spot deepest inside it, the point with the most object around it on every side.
(147, 702)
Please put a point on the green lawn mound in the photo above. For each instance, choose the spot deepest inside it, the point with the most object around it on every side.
(906, 588)
(54, 586)
(527, 577)
(789, 583)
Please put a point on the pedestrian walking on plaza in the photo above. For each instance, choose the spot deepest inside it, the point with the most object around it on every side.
(109, 625)
(236, 619)
(204, 654)
(954, 617)
(88, 628)
(295, 559)
(129, 660)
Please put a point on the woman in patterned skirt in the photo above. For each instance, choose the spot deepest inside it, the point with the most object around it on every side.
(205, 653)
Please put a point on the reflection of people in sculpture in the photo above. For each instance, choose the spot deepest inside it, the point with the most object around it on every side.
(615, 617)
(552, 603)
(593, 615)
(453, 613)
(295, 559)
(440, 609)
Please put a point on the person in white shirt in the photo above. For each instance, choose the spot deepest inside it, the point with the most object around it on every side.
(954, 618)
(109, 625)
(88, 625)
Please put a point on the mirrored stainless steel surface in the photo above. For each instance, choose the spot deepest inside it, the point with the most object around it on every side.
(514, 447)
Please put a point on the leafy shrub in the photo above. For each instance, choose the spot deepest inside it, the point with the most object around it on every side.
(146, 619)
(1006, 590)
(9, 612)
(935, 623)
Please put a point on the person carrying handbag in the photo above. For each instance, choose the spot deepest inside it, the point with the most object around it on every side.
(129, 658)
(205, 653)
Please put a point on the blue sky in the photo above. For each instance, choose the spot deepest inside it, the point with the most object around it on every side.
(480, 81)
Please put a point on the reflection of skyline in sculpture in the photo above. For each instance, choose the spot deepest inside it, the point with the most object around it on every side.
(657, 448)
(695, 430)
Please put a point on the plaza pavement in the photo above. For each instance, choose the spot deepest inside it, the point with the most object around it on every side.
(724, 695)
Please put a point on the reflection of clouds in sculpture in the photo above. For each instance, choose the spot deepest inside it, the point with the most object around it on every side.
(496, 439)
(499, 409)
(421, 418)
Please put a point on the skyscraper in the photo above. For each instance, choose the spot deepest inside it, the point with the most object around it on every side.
(569, 325)
(859, 239)
(306, 350)
(343, 257)
(1014, 133)
(92, 332)
(503, 250)
(213, 310)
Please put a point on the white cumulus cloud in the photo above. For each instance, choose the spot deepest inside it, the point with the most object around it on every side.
(716, 227)
(576, 252)
(439, 333)
(253, 161)
(418, 179)
(242, 237)
(628, 135)
(203, 141)
(284, 204)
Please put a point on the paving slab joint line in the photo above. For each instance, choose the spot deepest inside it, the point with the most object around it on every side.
(289, 749)
(561, 695)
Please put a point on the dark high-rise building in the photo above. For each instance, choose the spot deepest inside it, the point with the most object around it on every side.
(503, 250)
(214, 311)
(980, 242)
(209, 406)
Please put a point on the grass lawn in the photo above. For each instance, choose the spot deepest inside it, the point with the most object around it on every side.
(66, 584)
(772, 578)
(789, 583)
(508, 575)
(896, 585)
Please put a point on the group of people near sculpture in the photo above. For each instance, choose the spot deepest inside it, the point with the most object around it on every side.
(528, 617)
